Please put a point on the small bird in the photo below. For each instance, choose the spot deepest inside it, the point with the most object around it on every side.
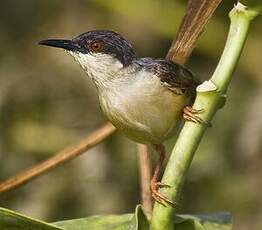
(145, 98)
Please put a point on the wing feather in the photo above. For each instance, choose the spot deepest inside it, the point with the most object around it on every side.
(173, 76)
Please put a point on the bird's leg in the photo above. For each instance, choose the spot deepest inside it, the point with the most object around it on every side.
(155, 184)
(190, 114)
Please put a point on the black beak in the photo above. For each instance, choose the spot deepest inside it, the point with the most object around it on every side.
(60, 43)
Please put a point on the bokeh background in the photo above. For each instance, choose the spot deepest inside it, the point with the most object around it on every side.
(47, 103)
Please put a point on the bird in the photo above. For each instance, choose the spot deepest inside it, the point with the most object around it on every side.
(145, 98)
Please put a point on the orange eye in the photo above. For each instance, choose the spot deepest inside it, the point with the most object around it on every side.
(96, 46)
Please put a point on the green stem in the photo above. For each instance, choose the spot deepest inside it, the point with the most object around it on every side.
(209, 99)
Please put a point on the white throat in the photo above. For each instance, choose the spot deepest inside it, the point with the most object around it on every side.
(100, 68)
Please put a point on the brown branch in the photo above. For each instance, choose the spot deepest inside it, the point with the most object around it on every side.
(197, 15)
(61, 157)
(145, 177)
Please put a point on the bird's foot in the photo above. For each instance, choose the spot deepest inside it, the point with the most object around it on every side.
(160, 198)
(190, 114)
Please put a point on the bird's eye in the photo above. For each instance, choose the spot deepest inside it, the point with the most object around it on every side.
(97, 46)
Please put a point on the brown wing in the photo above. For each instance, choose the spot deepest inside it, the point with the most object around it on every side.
(176, 77)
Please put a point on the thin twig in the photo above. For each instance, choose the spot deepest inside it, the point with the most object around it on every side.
(61, 157)
(145, 176)
(197, 15)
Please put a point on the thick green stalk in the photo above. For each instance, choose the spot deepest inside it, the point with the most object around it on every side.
(209, 98)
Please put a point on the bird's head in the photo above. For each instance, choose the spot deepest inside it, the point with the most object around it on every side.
(100, 53)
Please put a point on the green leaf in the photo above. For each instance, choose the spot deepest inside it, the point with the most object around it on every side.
(140, 219)
(135, 221)
(217, 221)
(101, 222)
(10, 220)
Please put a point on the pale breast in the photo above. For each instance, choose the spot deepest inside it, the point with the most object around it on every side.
(143, 109)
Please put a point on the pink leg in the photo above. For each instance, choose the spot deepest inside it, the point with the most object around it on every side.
(155, 184)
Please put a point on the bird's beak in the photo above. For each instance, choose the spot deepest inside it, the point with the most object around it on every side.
(60, 43)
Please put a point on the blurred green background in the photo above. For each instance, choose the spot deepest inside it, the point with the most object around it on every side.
(47, 103)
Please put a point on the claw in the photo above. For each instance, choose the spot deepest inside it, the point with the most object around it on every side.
(157, 199)
(191, 114)
(194, 111)
(160, 198)
(163, 185)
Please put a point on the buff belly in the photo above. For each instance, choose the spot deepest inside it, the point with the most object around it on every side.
(144, 116)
